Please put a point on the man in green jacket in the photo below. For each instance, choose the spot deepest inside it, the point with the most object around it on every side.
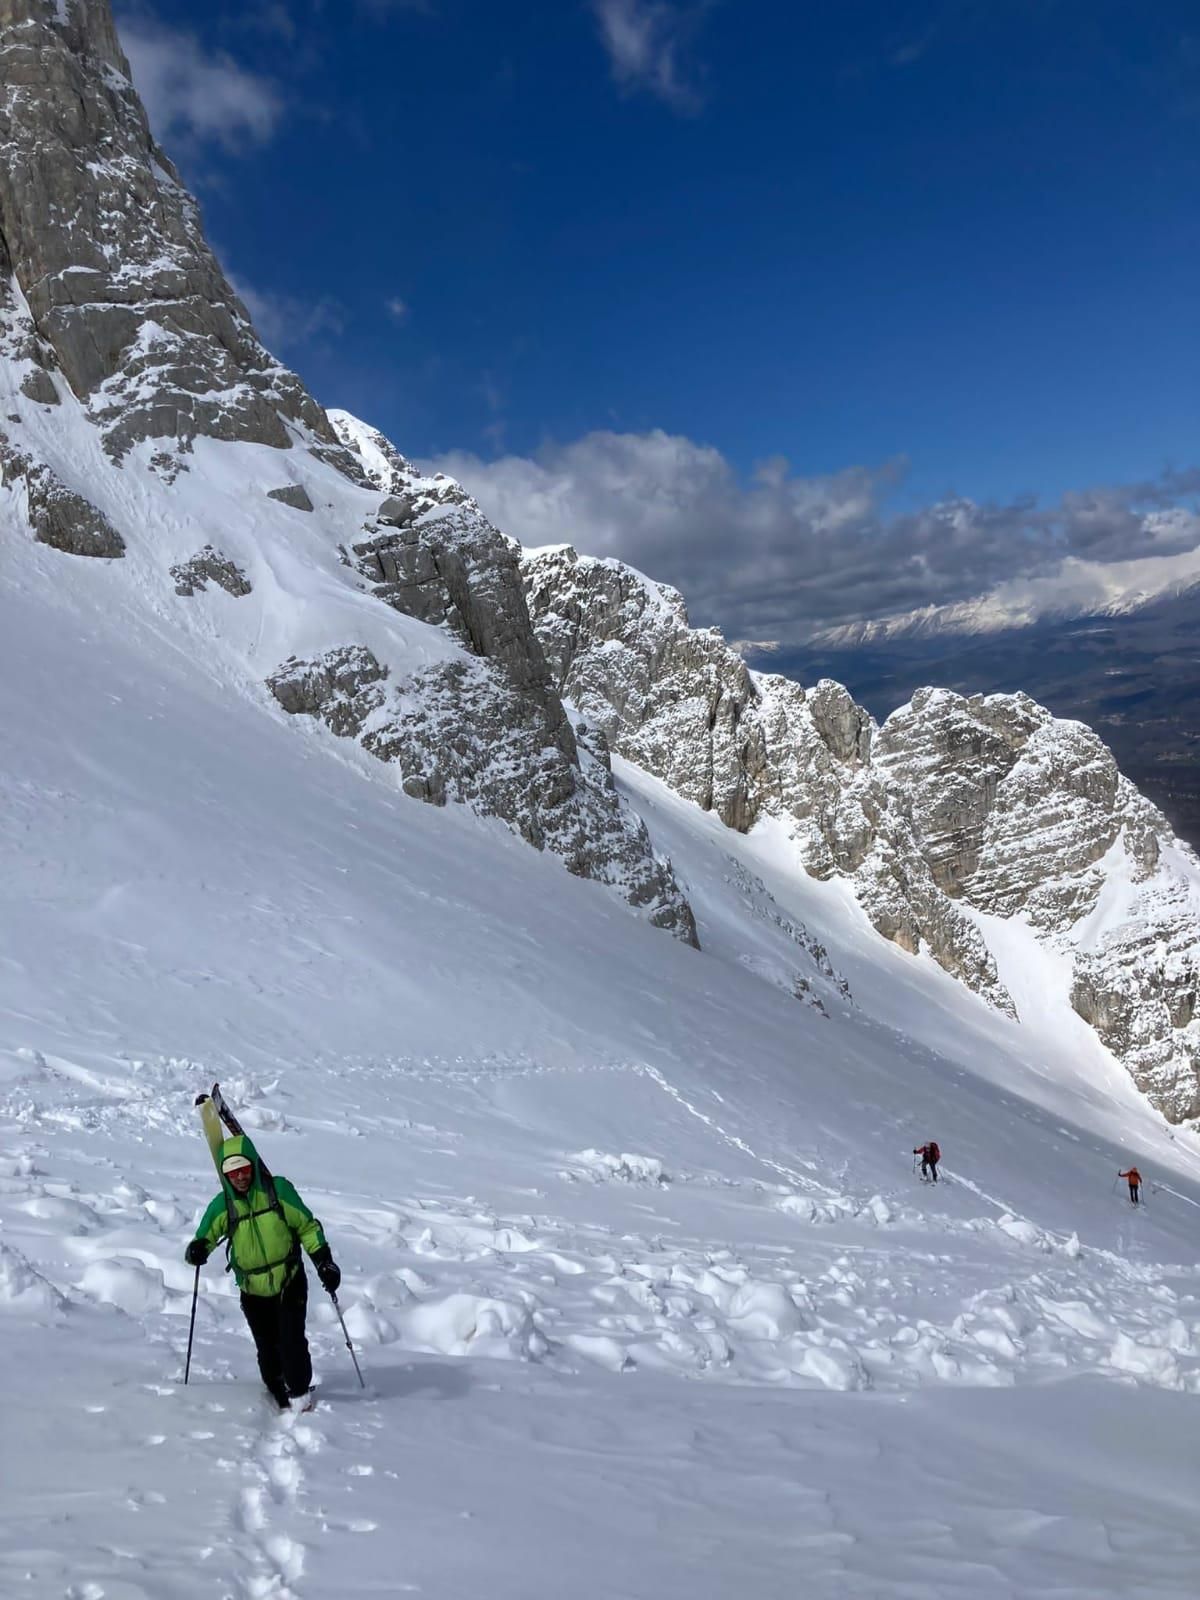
(266, 1224)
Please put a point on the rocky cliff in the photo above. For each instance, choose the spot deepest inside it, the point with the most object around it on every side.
(119, 330)
(954, 806)
(127, 303)
(682, 704)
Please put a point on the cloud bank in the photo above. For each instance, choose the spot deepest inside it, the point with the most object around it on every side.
(786, 558)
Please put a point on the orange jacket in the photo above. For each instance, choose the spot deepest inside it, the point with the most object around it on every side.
(1133, 1175)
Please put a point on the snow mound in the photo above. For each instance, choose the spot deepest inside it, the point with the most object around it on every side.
(22, 1287)
(600, 1167)
(472, 1325)
(124, 1282)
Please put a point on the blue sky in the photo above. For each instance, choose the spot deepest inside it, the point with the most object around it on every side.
(947, 249)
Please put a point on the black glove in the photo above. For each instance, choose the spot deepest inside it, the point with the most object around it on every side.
(196, 1253)
(328, 1270)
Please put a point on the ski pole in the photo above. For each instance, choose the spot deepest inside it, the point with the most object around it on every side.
(349, 1346)
(192, 1325)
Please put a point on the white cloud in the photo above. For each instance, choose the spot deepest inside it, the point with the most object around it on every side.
(193, 94)
(646, 42)
(397, 309)
(284, 321)
(783, 557)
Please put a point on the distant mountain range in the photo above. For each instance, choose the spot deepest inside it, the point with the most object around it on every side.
(1077, 592)
(1133, 675)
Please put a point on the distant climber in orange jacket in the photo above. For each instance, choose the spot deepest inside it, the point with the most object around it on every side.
(1135, 1183)
(930, 1156)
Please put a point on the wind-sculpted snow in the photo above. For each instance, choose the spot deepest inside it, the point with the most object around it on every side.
(987, 803)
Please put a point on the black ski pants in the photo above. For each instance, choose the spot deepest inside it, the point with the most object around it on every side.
(1133, 1192)
(277, 1323)
(929, 1169)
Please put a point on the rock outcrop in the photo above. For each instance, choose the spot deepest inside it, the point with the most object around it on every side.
(461, 731)
(680, 703)
(210, 566)
(1014, 808)
(108, 253)
(56, 515)
(955, 806)
(488, 730)
(1139, 985)
(292, 494)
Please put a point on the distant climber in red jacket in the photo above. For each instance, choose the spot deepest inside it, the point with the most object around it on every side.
(1135, 1183)
(930, 1156)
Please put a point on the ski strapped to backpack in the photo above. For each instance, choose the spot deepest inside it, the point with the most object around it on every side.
(215, 1111)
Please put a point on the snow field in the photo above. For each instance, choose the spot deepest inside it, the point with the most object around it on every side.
(646, 1290)
(444, 1295)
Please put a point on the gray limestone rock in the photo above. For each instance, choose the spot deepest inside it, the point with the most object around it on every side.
(1138, 986)
(463, 731)
(38, 386)
(955, 805)
(58, 516)
(955, 808)
(292, 494)
(108, 249)
(343, 688)
(1014, 809)
(430, 552)
(397, 511)
(68, 521)
(683, 705)
(402, 570)
(210, 566)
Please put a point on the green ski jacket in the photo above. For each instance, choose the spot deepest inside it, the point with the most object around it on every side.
(265, 1250)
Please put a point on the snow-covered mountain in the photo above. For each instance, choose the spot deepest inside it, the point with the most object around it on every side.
(1077, 589)
(956, 814)
(305, 558)
(296, 746)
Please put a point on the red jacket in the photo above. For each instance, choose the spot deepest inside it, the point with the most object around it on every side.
(928, 1152)
(1133, 1175)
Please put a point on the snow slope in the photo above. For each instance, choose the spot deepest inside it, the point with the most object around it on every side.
(650, 1301)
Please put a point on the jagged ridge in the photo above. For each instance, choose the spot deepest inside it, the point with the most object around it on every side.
(954, 806)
